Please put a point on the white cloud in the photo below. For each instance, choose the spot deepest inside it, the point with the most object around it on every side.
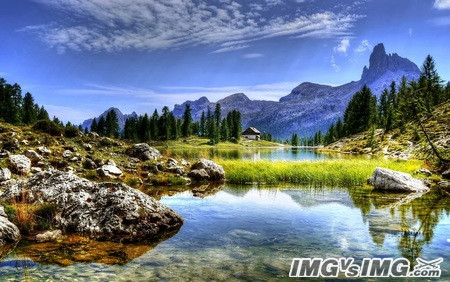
(442, 4)
(343, 46)
(274, 2)
(410, 32)
(252, 56)
(364, 46)
(334, 64)
(116, 25)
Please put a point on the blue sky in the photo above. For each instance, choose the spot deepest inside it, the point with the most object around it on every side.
(79, 57)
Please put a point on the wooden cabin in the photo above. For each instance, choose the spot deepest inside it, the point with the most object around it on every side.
(251, 133)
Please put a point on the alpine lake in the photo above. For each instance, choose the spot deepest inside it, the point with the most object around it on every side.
(251, 233)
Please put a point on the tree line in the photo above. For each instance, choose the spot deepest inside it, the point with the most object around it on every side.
(16, 109)
(167, 127)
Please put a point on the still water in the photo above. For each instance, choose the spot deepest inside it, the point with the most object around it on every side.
(251, 234)
(264, 153)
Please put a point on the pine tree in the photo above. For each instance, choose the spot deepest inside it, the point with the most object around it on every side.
(174, 132)
(186, 129)
(144, 128)
(94, 126)
(339, 129)
(224, 131)
(28, 111)
(154, 125)
(164, 124)
(432, 82)
(112, 124)
(42, 114)
(361, 112)
(202, 124)
(101, 126)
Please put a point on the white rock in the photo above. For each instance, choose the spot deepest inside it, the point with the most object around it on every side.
(390, 180)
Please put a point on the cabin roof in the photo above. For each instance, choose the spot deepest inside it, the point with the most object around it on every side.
(251, 131)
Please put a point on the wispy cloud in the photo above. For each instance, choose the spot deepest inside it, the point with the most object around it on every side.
(334, 65)
(364, 46)
(441, 21)
(342, 47)
(69, 114)
(116, 25)
(252, 56)
(442, 4)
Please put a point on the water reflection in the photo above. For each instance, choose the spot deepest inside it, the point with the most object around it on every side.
(255, 154)
(252, 233)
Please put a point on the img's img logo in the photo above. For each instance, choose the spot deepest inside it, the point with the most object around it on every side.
(369, 267)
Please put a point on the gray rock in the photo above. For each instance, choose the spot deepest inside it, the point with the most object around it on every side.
(93, 135)
(423, 171)
(67, 154)
(185, 163)
(109, 171)
(36, 169)
(390, 180)
(9, 233)
(5, 174)
(144, 152)
(87, 147)
(4, 153)
(49, 236)
(100, 210)
(198, 174)
(446, 174)
(33, 156)
(19, 164)
(89, 164)
(173, 167)
(44, 150)
(214, 171)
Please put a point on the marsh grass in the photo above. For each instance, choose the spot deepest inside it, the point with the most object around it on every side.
(352, 172)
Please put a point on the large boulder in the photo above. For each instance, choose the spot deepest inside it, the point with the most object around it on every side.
(9, 233)
(5, 174)
(100, 210)
(19, 164)
(390, 180)
(212, 170)
(144, 152)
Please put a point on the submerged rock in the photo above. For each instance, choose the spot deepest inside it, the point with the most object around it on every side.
(143, 152)
(390, 180)
(9, 233)
(20, 164)
(49, 236)
(100, 210)
(205, 169)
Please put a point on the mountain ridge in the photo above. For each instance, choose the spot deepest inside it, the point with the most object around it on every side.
(309, 107)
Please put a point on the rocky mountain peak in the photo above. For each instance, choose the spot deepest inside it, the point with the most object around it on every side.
(234, 98)
(380, 63)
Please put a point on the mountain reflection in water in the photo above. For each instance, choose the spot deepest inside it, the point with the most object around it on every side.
(253, 233)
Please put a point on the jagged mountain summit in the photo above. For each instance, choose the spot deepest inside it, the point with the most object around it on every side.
(120, 117)
(310, 107)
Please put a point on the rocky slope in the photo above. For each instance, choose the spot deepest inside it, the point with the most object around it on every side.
(310, 106)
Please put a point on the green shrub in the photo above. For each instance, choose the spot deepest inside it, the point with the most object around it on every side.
(47, 126)
(71, 132)
(44, 215)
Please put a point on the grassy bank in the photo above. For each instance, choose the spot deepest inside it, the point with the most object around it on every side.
(196, 142)
(328, 172)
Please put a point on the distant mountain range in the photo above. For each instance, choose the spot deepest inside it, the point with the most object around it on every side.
(309, 107)
(120, 116)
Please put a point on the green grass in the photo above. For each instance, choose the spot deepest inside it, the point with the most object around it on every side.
(195, 142)
(353, 172)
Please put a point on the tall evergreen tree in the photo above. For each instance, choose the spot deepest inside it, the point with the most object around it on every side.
(112, 124)
(28, 111)
(361, 112)
(94, 126)
(101, 126)
(432, 83)
(294, 140)
(202, 130)
(186, 129)
(154, 125)
(224, 131)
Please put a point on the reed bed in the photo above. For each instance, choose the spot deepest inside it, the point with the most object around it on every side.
(351, 172)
